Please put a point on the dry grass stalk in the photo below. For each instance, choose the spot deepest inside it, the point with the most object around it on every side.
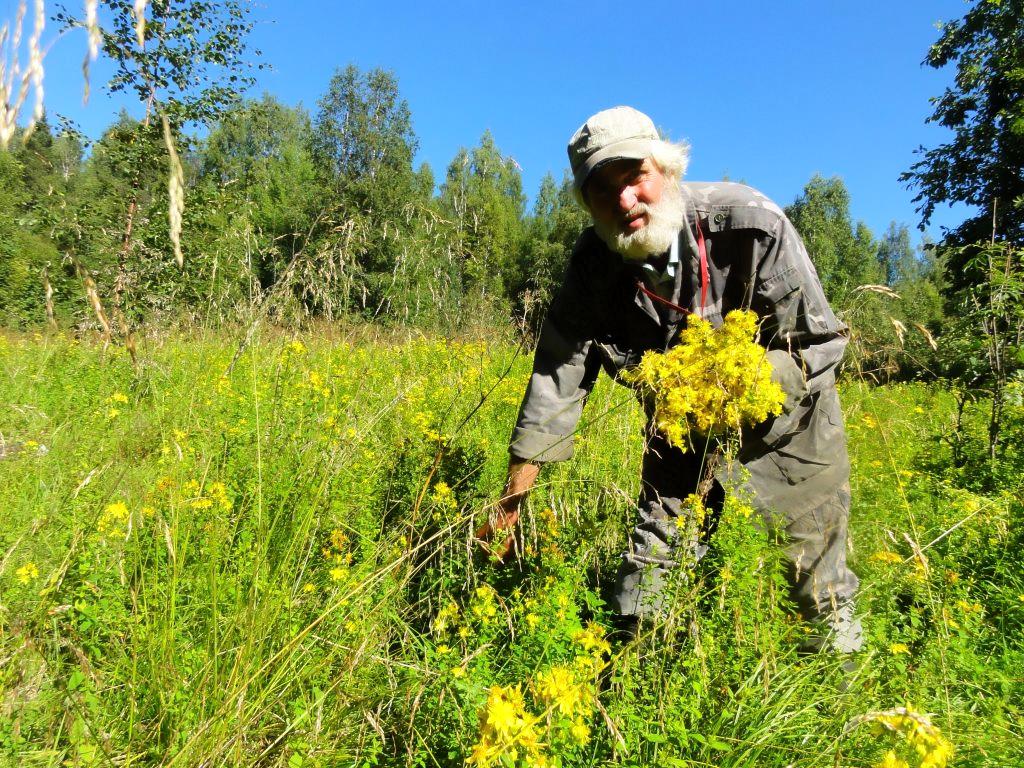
(901, 329)
(48, 292)
(92, 27)
(93, 295)
(927, 335)
(14, 83)
(140, 21)
(885, 290)
(175, 193)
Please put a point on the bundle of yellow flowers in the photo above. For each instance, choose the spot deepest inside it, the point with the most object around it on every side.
(712, 381)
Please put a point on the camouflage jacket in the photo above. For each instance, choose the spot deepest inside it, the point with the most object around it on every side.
(756, 260)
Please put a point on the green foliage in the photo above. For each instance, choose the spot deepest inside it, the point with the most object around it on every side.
(843, 254)
(550, 233)
(191, 62)
(271, 567)
(983, 164)
(983, 356)
(256, 164)
(483, 195)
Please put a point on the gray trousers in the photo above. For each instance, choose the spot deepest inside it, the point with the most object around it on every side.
(665, 537)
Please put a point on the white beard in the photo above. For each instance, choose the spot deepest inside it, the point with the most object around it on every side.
(664, 220)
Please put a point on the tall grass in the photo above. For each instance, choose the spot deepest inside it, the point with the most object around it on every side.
(275, 567)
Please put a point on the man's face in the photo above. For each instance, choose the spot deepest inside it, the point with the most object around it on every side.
(636, 209)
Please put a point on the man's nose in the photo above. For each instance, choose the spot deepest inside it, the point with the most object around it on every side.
(627, 198)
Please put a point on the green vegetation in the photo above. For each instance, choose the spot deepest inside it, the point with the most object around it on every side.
(273, 567)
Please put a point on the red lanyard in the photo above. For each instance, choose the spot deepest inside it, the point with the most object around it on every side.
(704, 279)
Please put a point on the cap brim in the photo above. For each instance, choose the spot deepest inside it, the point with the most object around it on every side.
(630, 149)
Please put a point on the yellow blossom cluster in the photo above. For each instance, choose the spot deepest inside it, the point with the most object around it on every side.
(444, 498)
(592, 640)
(932, 748)
(338, 555)
(712, 381)
(447, 618)
(484, 606)
(28, 572)
(113, 520)
(214, 495)
(887, 556)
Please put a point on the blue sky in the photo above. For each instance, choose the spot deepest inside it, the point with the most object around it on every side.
(766, 93)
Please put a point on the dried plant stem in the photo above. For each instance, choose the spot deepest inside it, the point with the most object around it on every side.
(92, 27)
(93, 296)
(48, 293)
(175, 193)
(15, 84)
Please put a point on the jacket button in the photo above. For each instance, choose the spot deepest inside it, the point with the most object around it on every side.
(719, 218)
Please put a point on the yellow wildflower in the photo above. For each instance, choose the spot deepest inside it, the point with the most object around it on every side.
(580, 732)
(558, 688)
(444, 497)
(892, 761)
(592, 640)
(28, 572)
(446, 618)
(339, 539)
(897, 648)
(113, 521)
(885, 556)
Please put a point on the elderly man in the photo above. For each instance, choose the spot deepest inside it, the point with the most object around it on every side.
(660, 249)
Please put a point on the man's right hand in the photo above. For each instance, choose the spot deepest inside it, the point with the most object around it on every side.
(497, 536)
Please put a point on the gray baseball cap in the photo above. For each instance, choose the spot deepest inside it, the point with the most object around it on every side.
(619, 133)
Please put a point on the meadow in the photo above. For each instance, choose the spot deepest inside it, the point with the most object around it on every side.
(264, 557)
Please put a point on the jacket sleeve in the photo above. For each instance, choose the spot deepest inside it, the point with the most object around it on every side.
(798, 318)
(565, 366)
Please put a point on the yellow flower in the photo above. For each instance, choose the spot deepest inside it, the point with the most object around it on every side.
(113, 521)
(898, 648)
(580, 732)
(27, 573)
(458, 672)
(885, 556)
(892, 761)
(592, 640)
(929, 743)
(444, 497)
(558, 687)
(446, 618)
(338, 539)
